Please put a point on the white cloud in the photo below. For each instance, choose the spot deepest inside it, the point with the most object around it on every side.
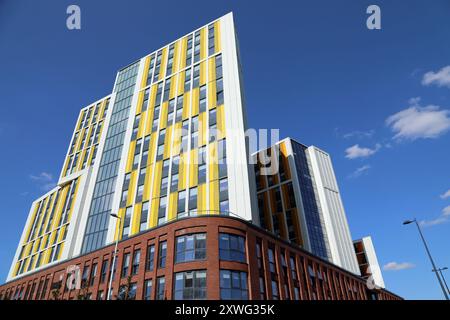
(446, 194)
(359, 134)
(419, 122)
(446, 211)
(44, 180)
(356, 151)
(360, 171)
(440, 78)
(443, 218)
(395, 266)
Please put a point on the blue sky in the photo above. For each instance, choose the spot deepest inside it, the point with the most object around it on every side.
(377, 100)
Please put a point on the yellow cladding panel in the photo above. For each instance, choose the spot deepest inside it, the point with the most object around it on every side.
(173, 88)
(61, 201)
(141, 125)
(221, 122)
(43, 242)
(136, 218)
(167, 142)
(214, 196)
(154, 212)
(40, 222)
(152, 148)
(52, 238)
(163, 116)
(60, 251)
(16, 268)
(193, 166)
(144, 74)
(79, 140)
(176, 148)
(77, 185)
(176, 56)
(203, 73)
(163, 65)
(212, 99)
(132, 188)
(101, 110)
(117, 233)
(82, 156)
(211, 69)
(157, 179)
(183, 46)
(33, 217)
(147, 183)
(181, 77)
(173, 197)
(66, 164)
(61, 233)
(195, 96)
(36, 246)
(140, 101)
(203, 43)
(217, 31)
(186, 104)
(213, 166)
(202, 126)
(80, 117)
(129, 166)
(183, 170)
(201, 199)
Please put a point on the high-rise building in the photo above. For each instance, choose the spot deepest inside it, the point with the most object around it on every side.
(368, 261)
(168, 142)
(299, 200)
(161, 168)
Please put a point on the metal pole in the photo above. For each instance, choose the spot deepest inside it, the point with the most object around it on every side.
(432, 261)
(109, 293)
(443, 279)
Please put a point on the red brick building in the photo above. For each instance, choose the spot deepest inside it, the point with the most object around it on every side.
(204, 257)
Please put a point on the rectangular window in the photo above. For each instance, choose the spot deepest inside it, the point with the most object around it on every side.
(187, 80)
(93, 274)
(271, 260)
(161, 288)
(150, 258)
(125, 265)
(233, 285)
(174, 182)
(196, 76)
(190, 247)
(162, 254)
(190, 285)
(201, 173)
(231, 247)
(148, 285)
(144, 216)
(126, 223)
(181, 208)
(162, 210)
(136, 261)
(219, 91)
(202, 99)
(193, 198)
(104, 271)
(262, 288)
(275, 291)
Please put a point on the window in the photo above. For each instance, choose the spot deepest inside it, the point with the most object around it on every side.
(144, 216)
(160, 288)
(136, 260)
(139, 193)
(125, 265)
(231, 247)
(164, 185)
(193, 198)
(190, 285)
(148, 285)
(271, 260)
(233, 285)
(181, 209)
(131, 292)
(150, 257)
(123, 198)
(223, 189)
(85, 277)
(126, 223)
(259, 255)
(219, 91)
(104, 271)
(262, 288)
(293, 268)
(162, 254)
(93, 274)
(275, 292)
(190, 247)
(211, 47)
(162, 210)
(202, 99)
(201, 173)
(174, 182)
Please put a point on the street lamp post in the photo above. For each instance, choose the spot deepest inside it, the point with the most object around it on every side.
(442, 277)
(435, 270)
(109, 293)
